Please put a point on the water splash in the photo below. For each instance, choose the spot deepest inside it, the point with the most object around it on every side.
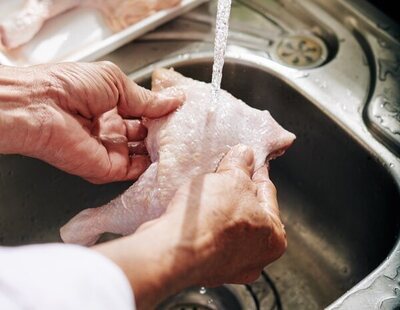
(221, 38)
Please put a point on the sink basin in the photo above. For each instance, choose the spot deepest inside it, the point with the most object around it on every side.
(337, 199)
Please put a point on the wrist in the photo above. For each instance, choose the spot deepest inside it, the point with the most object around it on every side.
(13, 114)
(154, 262)
(23, 98)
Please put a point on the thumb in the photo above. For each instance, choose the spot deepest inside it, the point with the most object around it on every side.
(239, 159)
(141, 102)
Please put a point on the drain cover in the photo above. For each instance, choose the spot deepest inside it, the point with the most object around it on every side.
(301, 51)
(190, 307)
(261, 294)
(230, 297)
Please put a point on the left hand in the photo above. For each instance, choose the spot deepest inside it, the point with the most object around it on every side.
(78, 117)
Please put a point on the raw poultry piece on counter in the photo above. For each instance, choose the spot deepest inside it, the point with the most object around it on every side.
(21, 27)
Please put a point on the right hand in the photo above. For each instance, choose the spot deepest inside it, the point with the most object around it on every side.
(230, 219)
(221, 227)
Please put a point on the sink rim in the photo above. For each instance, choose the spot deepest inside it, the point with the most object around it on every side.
(240, 55)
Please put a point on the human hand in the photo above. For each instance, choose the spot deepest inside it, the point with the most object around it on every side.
(78, 117)
(231, 221)
(222, 227)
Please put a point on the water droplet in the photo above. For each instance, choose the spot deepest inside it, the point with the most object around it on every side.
(391, 165)
(184, 57)
(301, 75)
(320, 83)
(202, 290)
(365, 60)
(383, 43)
(210, 301)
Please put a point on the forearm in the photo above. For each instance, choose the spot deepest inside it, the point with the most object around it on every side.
(12, 129)
(155, 263)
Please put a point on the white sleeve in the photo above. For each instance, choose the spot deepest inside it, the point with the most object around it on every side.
(59, 276)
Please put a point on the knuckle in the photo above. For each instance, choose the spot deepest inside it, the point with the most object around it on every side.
(244, 225)
(277, 243)
(106, 64)
(272, 187)
(51, 86)
(111, 68)
(145, 96)
(282, 242)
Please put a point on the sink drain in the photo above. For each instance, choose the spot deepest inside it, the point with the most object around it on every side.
(190, 307)
(232, 297)
(261, 294)
(301, 51)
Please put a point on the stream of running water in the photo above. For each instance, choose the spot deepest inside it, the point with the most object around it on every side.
(221, 37)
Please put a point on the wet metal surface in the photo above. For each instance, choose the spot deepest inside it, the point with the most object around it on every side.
(337, 201)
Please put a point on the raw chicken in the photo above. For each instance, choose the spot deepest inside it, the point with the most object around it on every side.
(182, 145)
(123, 13)
(22, 27)
(119, 14)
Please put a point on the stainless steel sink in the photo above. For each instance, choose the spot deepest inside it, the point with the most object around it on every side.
(327, 71)
(338, 201)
